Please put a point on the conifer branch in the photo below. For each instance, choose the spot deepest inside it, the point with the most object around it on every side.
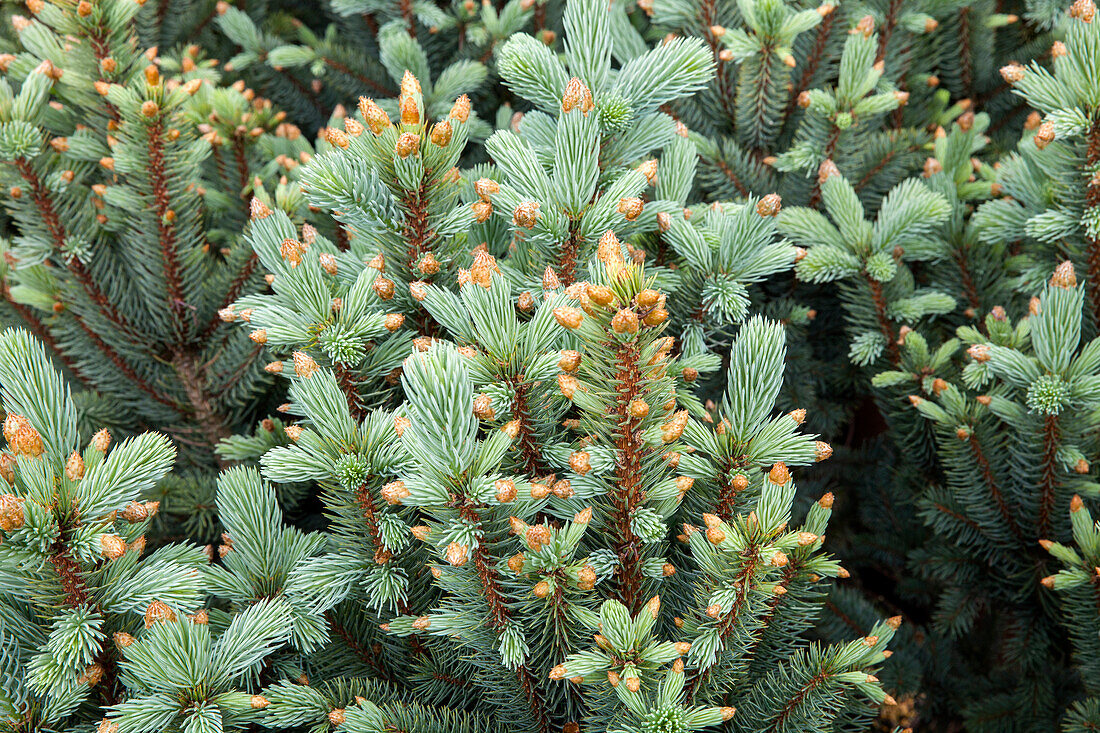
(43, 201)
(1050, 440)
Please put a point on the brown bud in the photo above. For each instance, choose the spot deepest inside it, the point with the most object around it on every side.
(11, 512)
(656, 318)
(1083, 10)
(457, 554)
(258, 209)
(483, 407)
(827, 170)
(376, 118)
(579, 462)
(539, 491)
(979, 352)
(394, 492)
(769, 205)
(577, 96)
(684, 484)
(674, 428)
(158, 612)
(931, 167)
(441, 133)
(22, 438)
(461, 109)
(304, 365)
(601, 295)
(409, 109)
(74, 470)
(568, 317)
(1064, 276)
(631, 207)
(506, 490)
(482, 211)
(1044, 135)
(649, 170)
(537, 536)
(1012, 73)
(648, 298)
(568, 385)
(569, 360)
(383, 287)
(586, 578)
(407, 144)
(625, 322)
(715, 534)
(526, 214)
(486, 188)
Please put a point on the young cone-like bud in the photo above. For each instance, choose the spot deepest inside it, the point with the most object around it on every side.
(625, 322)
(506, 490)
(482, 211)
(304, 365)
(568, 317)
(577, 96)
(441, 133)
(11, 512)
(74, 467)
(407, 144)
(111, 546)
(1044, 135)
(158, 612)
(631, 207)
(376, 118)
(1064, 276)
(101, 441)
(1083, 10)
(769, 205)
(394, 492)
(827, 170)
(526, 214)
(1012, 73)
(461, 109)
(486, 188)
(601, 295)
(457, 554)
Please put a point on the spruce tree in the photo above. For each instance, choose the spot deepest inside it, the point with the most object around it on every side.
(445, 366)
(1012, 435)
(128, 190)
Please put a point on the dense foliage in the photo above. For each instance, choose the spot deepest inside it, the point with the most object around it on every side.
(379, 366)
